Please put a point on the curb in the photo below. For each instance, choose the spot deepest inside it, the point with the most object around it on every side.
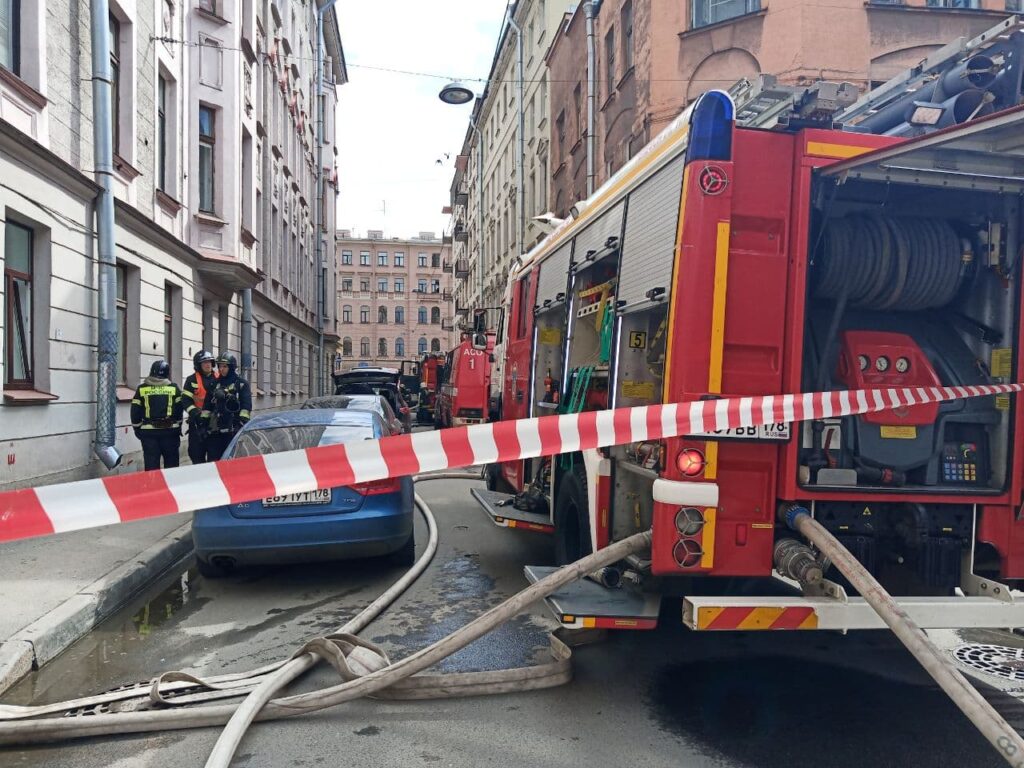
(46, 637)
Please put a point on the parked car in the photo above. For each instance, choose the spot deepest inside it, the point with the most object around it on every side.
(386, 389)
(357, 521)
(376, 403)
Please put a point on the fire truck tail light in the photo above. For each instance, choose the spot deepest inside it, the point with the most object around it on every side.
(689, 521)
(687, 553)
(690, 462)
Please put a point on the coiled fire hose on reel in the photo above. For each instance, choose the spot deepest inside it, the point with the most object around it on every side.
(366, 670)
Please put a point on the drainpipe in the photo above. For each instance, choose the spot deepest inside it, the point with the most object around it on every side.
(247, 333)
(521, 154)
(590, 9)
(103, 161)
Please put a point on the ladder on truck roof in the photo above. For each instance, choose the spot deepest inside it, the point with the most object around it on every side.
(764, 103)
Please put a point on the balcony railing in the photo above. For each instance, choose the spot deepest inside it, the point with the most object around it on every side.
(462, 268)
(446, 295)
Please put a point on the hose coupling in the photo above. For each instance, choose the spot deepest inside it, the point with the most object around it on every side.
(788, 514)
(796, 561)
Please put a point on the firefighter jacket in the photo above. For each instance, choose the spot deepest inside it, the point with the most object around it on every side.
(157, 405)
(229, 403)
(195, 390)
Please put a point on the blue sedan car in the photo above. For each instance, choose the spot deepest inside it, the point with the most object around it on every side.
(363, 520)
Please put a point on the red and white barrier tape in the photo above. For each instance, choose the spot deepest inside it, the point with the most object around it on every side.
(122, 498)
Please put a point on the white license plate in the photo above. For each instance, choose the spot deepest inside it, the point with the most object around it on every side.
(321, 496)
(776, 432)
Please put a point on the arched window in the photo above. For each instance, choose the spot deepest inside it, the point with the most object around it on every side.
(364, 346)
(423, 315)
(382, 315)
(346, 314)
(435, 345)
(422, 345)
(435, 315)
(399, 315)
(399, 347)
(346, 347)
(382, 347)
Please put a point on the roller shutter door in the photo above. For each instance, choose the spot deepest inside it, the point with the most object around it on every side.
(593, 237)
(649, 243)
(554, 274)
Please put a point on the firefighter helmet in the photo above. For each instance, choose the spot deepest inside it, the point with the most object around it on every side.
(160, 369)
(227, 359)
(202, 356)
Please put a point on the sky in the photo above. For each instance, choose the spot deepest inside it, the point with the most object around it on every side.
(392, 128)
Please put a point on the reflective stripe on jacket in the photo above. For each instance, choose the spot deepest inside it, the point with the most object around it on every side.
(157, 405)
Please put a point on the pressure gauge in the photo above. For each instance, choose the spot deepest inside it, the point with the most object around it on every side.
(863, 361)
(882, 364)
(902, 365)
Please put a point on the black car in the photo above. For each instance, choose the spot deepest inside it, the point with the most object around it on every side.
(368, 385)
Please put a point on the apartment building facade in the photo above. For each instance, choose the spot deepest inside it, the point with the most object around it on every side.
(214, 182)
(394, 299)
(653, 57)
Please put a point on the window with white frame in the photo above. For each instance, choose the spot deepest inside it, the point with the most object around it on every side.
(399, 285)
(399, 347)
(346, 346)
(364, 315)
(382, 258)
(10, 35)
(707, 12)
(364, 347)
(421, 345)
(364, 258)
(399, 259)
(421, 259)
(346, 258)
(382, 285)
(399, 315)
(18, 291)
(207, 158)
(346, 314)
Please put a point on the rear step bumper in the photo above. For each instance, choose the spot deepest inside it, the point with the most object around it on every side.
(585, 604)
(507, 516)
(757, 613)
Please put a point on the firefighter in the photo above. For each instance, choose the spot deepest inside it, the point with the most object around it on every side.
(227, 407)
(193, 396)
(156, 417)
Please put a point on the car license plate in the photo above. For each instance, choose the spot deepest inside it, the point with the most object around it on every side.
(320, 496)
(772, 432)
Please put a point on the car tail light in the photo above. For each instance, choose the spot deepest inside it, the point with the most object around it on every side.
(377, 487)
(690, 462)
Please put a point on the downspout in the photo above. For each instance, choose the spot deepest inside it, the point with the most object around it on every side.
(590, 8)
(480, 211)
(102, 144)
(521, 154)
(318, 208)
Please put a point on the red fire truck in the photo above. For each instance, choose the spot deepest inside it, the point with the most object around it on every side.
(725, 261)
(427, 403)
(465, 382)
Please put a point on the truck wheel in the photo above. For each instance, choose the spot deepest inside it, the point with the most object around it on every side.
(572, 520)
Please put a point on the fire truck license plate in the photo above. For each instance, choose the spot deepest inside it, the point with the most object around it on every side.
(777, 432)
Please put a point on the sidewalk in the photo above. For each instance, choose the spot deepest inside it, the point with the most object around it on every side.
(55, 589)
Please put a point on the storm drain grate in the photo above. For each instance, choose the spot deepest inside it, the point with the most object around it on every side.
(998, 660)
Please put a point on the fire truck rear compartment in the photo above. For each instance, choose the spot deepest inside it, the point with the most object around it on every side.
(910, 288)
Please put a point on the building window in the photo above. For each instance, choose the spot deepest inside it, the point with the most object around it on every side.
(422, 316)
(346, 284)
(399, 259)
(207, 143)
(168, 323)
(713, 11)
(364, 347)
(399, 315)
(382, 285)
(399, 285)
(364, 315)
(399, 347)
(18, 250)
(346, 346)
(435, 345)
(161, 132)
(422, 259)
(421, 345)
(346, 314)
(208, 5)
(346, 258)
(114, 27)
(560, 129)
(382, 347)
(421, 286)
(364, 284)
(1011, 5)
(382, 315)
(435, 260)
(435, 286)
(10, 35)
(364, 258)
(122, 324)
(609, 57)
(626, 25)
(435, 315)
(382, 258)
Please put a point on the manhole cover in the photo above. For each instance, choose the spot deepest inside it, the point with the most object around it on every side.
(999, 660)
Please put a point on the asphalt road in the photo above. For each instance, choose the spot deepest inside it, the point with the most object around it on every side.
(662, 698)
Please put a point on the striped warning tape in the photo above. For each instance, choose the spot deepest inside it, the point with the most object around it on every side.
(122, 498)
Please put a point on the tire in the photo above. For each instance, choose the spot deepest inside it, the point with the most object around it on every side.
(572, 519)
(209, 570)
(405, 556)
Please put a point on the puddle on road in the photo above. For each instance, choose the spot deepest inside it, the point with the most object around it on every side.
(778, 712)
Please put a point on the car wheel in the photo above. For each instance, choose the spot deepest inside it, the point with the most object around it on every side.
(405, 556)
(572, 518)
(210, 570)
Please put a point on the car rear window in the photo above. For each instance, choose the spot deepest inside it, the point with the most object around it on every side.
(260, 442)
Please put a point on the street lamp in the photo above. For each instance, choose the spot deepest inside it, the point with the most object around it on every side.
(456, 93)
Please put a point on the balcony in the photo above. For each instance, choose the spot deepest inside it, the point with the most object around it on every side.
(462, 198)
(446, 295)
(462, 269)
(460, 233)
(447, 325)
